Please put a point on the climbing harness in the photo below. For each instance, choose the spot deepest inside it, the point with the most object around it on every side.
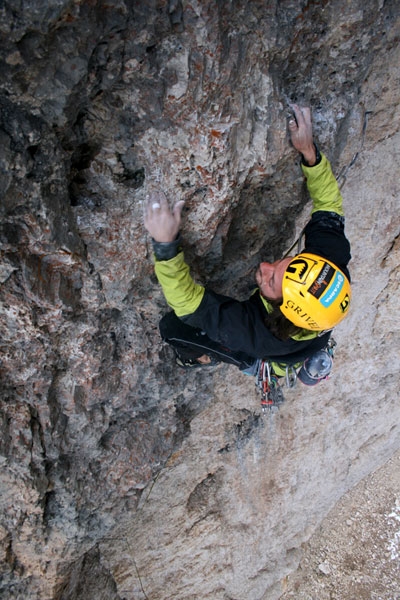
(269, 385)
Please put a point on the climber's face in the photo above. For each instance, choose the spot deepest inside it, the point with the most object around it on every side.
(269, 277)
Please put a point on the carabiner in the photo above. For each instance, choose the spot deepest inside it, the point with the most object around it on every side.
(290, 376)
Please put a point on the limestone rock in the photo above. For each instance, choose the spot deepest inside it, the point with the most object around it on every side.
(121, 477)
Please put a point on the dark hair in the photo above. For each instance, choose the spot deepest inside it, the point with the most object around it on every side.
(278, 324)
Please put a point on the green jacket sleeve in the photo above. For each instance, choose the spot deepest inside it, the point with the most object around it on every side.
(181, 292)
(323, 188)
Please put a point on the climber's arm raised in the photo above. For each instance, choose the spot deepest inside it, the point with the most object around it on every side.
(324, 233)
(181, 292)
(321, 183)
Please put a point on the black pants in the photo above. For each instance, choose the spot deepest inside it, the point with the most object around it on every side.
(191, 343)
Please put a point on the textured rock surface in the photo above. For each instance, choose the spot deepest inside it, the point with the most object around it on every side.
(100, 103)
(355, 552)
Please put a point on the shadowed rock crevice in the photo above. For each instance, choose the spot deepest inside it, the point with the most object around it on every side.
(261, 229)
(90, 579)
(242, 432)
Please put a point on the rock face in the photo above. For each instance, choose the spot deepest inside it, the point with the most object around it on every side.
(355, 552)
(123, 478)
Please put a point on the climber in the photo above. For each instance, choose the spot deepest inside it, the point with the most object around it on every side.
(298, 301)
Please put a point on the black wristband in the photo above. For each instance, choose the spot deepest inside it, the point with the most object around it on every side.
(318, 158)
(167, 250)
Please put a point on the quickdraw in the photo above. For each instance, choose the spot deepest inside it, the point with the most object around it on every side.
(271, 391)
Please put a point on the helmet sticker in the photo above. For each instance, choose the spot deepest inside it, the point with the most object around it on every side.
(299, 269)
(322, 281)
(316, 293)
(344, 305)
(334, 290)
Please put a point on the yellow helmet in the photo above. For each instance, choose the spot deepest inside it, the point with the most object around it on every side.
(316, 294)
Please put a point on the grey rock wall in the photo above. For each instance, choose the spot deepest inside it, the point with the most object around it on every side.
(122, 477)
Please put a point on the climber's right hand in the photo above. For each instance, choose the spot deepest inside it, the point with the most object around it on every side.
(301, 134)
